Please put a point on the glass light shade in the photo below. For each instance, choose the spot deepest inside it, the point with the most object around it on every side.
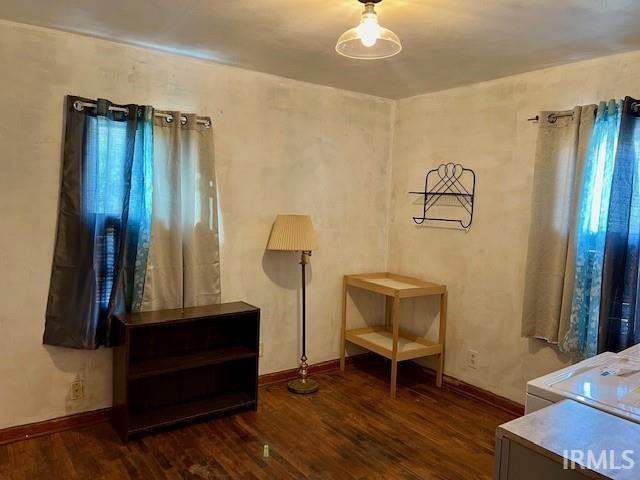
(368, 41)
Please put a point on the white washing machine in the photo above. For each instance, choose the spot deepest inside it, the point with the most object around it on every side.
(608, 382)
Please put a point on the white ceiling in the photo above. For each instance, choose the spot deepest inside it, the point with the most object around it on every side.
(446, 43)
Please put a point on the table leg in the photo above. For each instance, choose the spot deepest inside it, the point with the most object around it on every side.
(388, 311)
(395, 322)
(343, 343)
(442, 333)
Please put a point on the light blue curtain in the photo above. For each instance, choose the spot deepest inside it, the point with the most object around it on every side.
(140, 214)
(582, 336)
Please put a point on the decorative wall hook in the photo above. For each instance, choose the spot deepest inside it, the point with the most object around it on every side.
(449, 185)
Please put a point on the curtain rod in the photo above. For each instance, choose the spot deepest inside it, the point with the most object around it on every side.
(79, 106)
(553, 117)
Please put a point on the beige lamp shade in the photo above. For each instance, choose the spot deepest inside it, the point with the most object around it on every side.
(293, 233)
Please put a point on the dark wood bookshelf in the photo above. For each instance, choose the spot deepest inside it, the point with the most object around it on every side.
(174, 366)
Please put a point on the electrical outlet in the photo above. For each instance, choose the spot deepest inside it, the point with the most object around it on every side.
(472, 359)
(260, 349)
(77, 390)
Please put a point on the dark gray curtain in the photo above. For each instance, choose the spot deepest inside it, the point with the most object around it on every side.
(619, 328)
(97, 241)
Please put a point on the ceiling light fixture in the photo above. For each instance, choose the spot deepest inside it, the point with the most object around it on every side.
(368, 41)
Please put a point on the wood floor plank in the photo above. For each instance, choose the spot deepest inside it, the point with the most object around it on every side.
(349, 430)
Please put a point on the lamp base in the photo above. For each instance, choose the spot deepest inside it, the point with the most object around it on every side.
(303, 386)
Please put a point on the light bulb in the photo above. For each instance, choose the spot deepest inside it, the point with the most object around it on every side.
(369, 29)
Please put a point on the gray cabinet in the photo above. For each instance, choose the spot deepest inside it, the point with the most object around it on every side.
(540, 445)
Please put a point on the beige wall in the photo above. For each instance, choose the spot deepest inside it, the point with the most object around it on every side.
(286, 146)
(281, 147)
(484, 126)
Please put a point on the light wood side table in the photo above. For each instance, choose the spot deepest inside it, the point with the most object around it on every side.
(389, 340)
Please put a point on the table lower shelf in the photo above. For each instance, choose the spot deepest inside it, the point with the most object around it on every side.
(380, 340)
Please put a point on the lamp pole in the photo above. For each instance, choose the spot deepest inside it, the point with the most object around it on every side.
(303, 384)
(303, 261)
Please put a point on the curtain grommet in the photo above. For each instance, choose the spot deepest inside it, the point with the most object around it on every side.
(78, 106)
(168, 119)
(184, 121)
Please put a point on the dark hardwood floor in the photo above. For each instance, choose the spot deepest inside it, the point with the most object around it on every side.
(350, 429)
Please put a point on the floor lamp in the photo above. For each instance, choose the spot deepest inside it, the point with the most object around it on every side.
(294, 233)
